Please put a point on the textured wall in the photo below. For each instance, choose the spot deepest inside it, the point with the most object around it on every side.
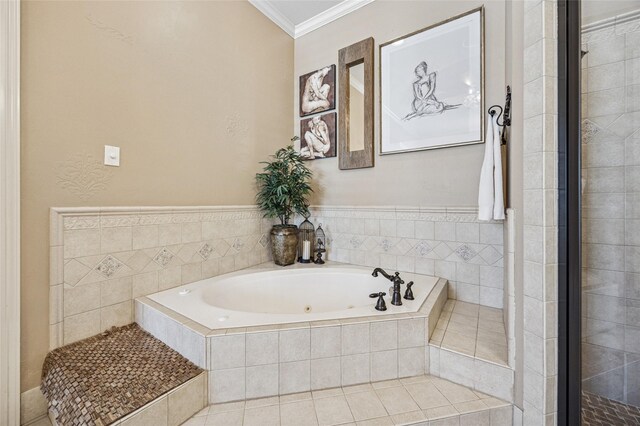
(441, 177)
(194, 93)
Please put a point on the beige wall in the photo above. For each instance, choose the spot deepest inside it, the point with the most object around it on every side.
(442, 177)
(194, 93)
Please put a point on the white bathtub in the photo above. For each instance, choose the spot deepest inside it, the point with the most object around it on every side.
(274, 295)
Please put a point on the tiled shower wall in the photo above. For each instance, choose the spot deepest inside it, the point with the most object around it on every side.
(611, 208)
(449, 243)
(101, 260)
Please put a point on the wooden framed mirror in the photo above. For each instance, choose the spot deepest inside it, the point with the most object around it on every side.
(355, 97)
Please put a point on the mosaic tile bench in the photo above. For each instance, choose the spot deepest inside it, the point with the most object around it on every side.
(109, 378)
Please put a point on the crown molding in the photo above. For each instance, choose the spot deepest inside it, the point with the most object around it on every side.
(274, 14)
(321, 19)
(329, 15)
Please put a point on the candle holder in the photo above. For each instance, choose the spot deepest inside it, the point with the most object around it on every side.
(320, 244)
(306, 241)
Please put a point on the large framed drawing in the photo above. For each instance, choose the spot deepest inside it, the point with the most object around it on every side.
(432, 86)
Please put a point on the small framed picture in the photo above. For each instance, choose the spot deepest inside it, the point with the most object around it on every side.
(432, 86)
(318, 91)
(318, 136)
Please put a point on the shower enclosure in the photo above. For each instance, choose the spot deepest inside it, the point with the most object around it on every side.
(599, 206)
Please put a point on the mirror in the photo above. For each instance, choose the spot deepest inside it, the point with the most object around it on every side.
(355, 97)
(356, 108)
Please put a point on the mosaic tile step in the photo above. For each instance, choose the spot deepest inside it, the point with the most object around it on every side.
(600, 411)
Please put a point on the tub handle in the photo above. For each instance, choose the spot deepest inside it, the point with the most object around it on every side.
(408, 294)
(380, 304)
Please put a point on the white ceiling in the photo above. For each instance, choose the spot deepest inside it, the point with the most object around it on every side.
(299, 17)
(298, 11)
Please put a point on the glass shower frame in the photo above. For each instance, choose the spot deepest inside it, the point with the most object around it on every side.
(569, 213)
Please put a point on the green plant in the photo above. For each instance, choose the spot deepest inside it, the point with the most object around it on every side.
(283, 186)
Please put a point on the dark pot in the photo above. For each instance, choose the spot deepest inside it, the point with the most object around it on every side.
(284, 244)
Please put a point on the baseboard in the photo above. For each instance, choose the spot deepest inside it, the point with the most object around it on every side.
(33, 406)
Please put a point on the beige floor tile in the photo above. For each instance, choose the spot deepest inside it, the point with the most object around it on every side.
(333, 410)
(196, 421)
(408, 418)
(464, 308)
(262, 402)
(397, 400)
(327, 392)
(448, 306)
(365, 405)
(357, 388)
(463, 319)
(459, 343)
(453, 392)
(227, 418)
(202, 412)
(294, 397)
(300, 413)
(490, 314)
(492, 337)
(427, 395)
(495, 326)
(381, 421)
(462, 329)
(470, 406)
(440, 412)
(386, 384)
(497, 354)
(262, 416)
(229, 406)
(437, 336)
(492, 402)
(415, 379)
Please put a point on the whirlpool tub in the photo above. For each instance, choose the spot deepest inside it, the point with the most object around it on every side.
(273, 295)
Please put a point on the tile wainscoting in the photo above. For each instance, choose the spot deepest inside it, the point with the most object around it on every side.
(101, 259)
(446, 242)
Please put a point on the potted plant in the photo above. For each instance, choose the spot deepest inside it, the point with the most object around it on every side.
(283, 187)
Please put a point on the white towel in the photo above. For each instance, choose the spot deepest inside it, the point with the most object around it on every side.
(498, 202)
(490, 196)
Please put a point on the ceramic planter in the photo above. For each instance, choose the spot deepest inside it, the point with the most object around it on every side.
(284, 244)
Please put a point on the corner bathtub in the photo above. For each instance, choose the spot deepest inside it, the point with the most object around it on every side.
(274, 295)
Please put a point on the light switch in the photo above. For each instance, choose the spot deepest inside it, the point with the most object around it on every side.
(111, 155)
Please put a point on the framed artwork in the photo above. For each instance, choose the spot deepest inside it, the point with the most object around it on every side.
(432, 86)
(318, 136)
(318, 91)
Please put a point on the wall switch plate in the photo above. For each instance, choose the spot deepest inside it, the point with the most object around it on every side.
(111, 155)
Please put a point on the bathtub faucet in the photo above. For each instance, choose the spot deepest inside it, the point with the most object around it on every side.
(396, 299)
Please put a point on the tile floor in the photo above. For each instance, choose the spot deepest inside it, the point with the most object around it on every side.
(418, 400)
(472, 330)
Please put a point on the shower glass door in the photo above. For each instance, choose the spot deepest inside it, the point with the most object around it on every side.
(610, 191)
